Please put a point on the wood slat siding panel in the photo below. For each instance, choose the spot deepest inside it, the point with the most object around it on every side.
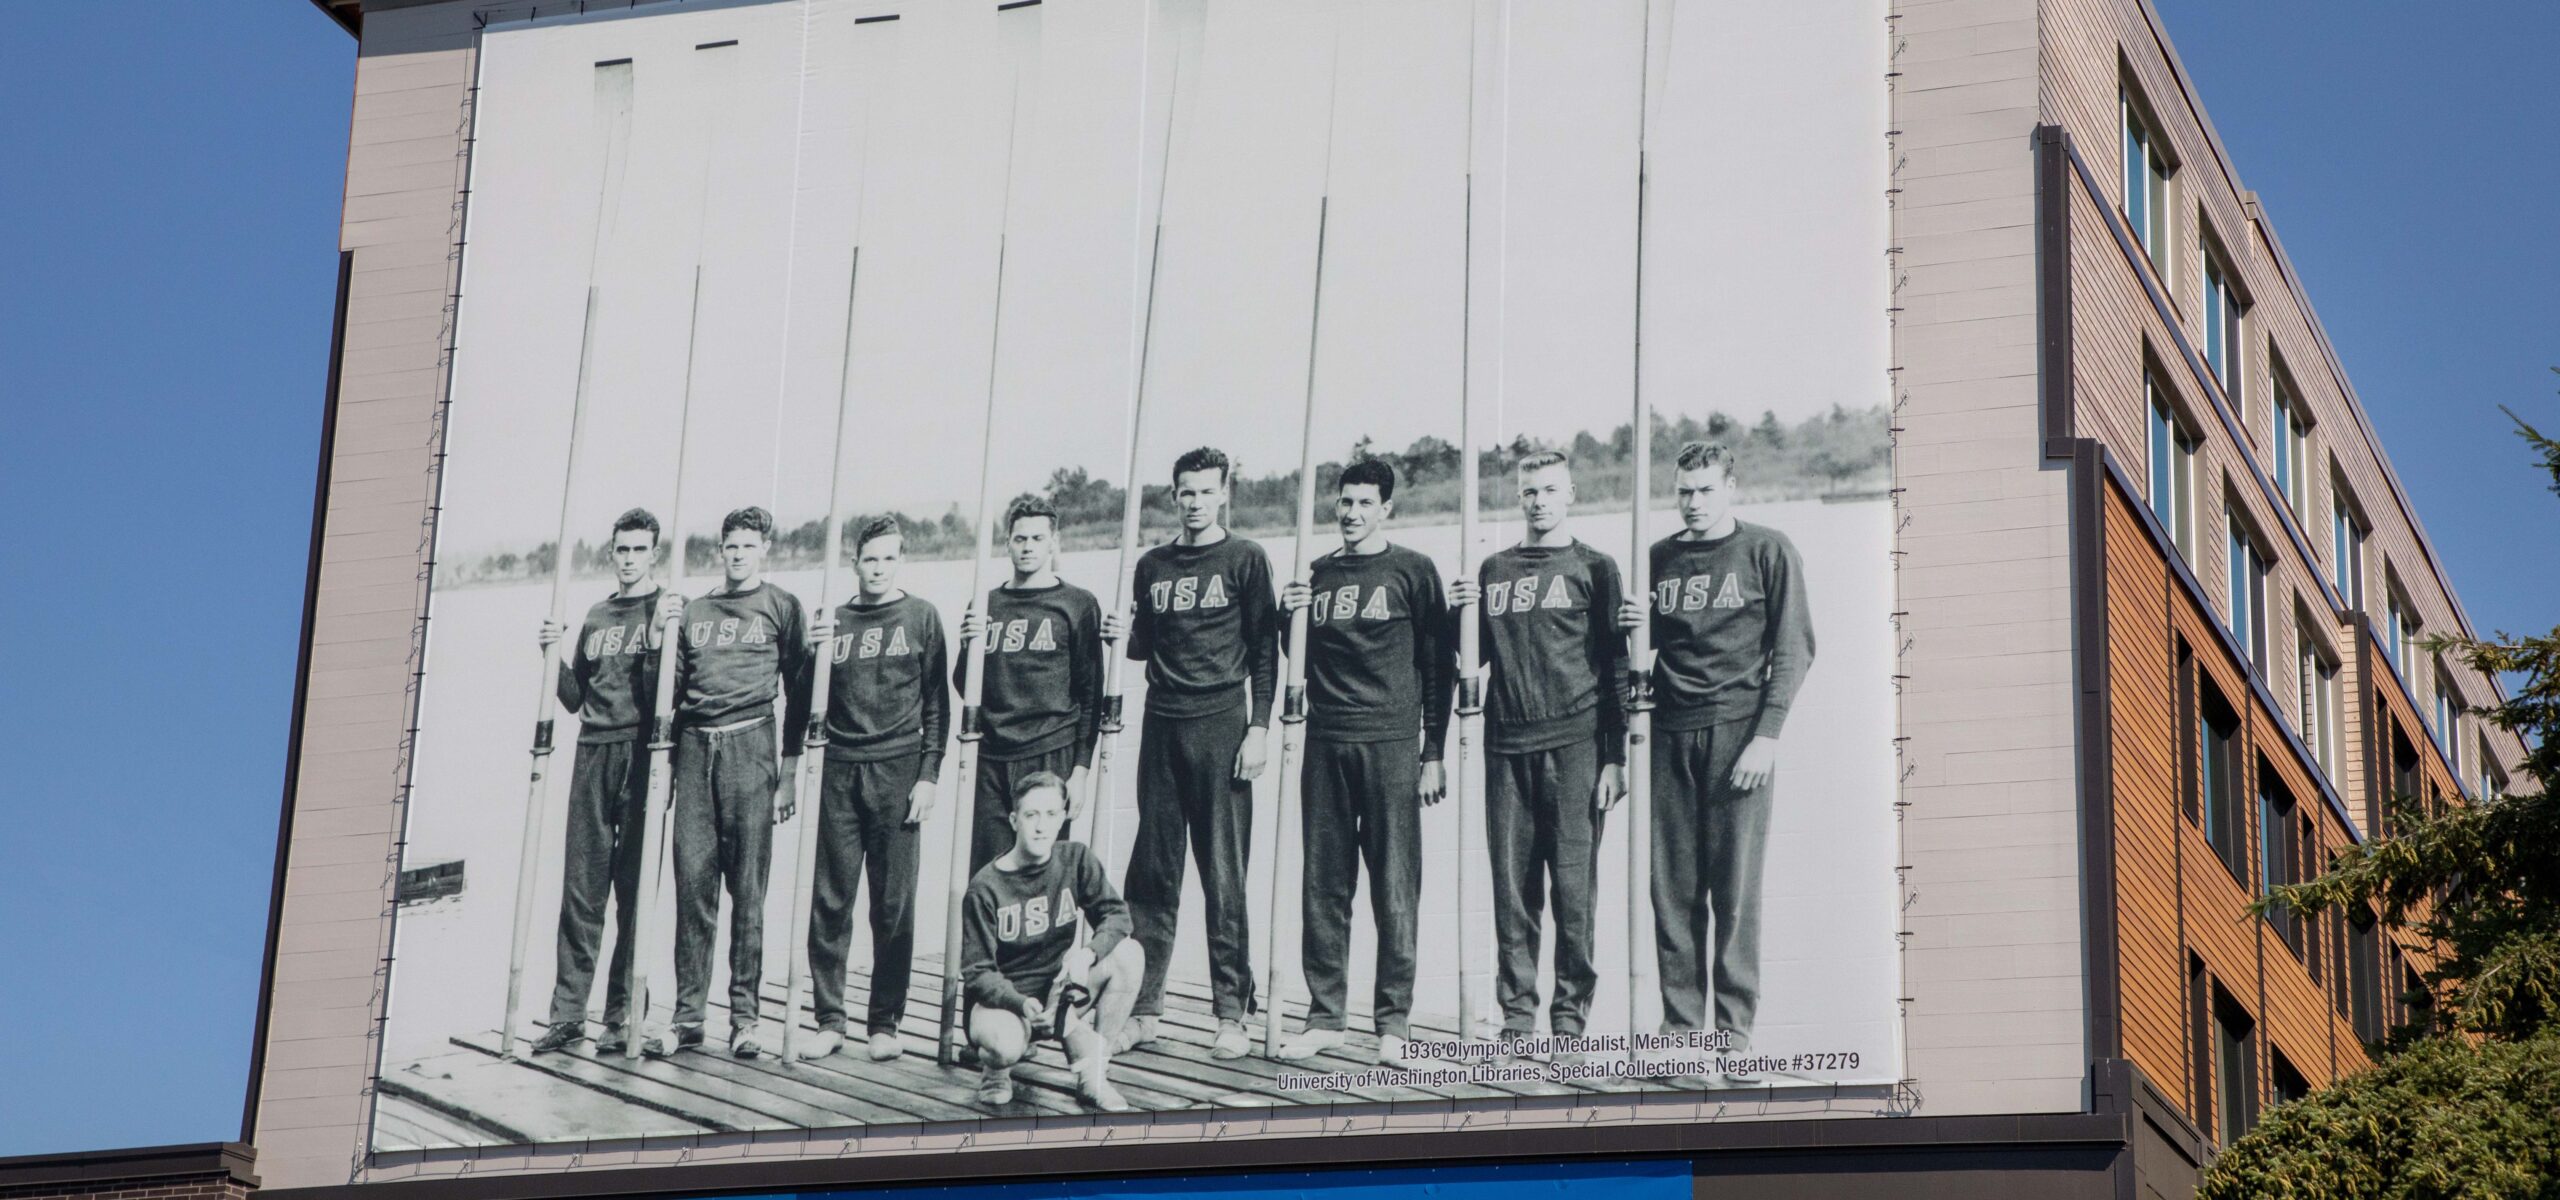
(2143, 711)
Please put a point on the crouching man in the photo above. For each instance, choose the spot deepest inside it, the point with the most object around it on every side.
(1028, 975)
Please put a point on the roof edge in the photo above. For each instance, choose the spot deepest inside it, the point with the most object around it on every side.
(348, 16)
(234, 1159)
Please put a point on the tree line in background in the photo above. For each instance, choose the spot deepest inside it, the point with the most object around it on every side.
(1840, 454)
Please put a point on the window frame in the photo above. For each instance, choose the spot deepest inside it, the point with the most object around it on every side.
(2173, 447)
(2289, 427)
(2402, 631)
(2235, 1066)
(2279, 853)
(2146, 171)
(2319, 692)
(2348, 532)
(2225, 321)
(2363, 947)
(2446, 712)
(2221, 808)
(2248, 565)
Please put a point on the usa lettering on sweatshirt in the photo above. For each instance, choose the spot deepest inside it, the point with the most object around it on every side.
(1208, 627)
(741, 650)
(1044, 672)
(1732, 636)
(610, 678)
(1016, 926)
(886, 697)
(1548, 616)
(1381, 661)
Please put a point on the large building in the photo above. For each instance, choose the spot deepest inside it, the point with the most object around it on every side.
(2121, 611)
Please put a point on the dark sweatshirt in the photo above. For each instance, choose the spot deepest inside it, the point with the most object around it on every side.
(1380, 659)
(1732, 638)
(741, 649)
(1044, 672)
(1550, 623)
(1017, 925)
(886, 697)
(610, 678)
(1208, 627)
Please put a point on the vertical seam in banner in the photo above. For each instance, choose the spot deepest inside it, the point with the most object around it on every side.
(790, 250)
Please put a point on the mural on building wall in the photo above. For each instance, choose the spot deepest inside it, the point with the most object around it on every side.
(1099, 555)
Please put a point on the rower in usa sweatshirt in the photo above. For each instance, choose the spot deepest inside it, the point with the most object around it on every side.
(608, 681)
(1733, 640)
(888, 719)
(1555, 743)
(746, 644)
(1381, 668)
(1041, 707)
(1207, 626)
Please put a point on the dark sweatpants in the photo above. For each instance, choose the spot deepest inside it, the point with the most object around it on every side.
(724, 786)
(1709, 841)
(863, 831)
(1359, 805)
(990, 827)
(608, 792)
(1188, 792)
(1543, 830)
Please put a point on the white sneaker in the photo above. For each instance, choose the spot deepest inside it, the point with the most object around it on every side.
(1093, 1081)
(995, 1086)
(1232, 1041)
(824, 1043)
(1135, 1032)
(886, 1045)
(1308, 1044)
(1394, 1051)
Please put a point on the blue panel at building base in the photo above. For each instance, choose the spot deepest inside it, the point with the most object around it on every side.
(1655, 1180)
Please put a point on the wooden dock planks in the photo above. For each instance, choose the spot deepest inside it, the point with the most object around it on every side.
(472, 1096)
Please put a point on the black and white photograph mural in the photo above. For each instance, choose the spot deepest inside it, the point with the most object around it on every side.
(1090, 556)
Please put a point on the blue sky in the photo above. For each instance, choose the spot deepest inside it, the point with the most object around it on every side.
(171, 208)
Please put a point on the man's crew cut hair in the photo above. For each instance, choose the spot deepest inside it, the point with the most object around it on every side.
(1543, 459)
(1372, 471)
(1696, 455)
(1030, 506)
(638, 518)
(1031, 783)
(875, 529)
(1205, 458)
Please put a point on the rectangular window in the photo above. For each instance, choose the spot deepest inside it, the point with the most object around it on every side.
(2400, 635)
(2220, 806)
(2248, 609)
(2286, 1082)
(2317, 677)
(2418, 1004)
(2222, 312)
(2235, 1068)
(2404, 776)
(2173, 467)
(2364, 978)
(2307, 838)
(2493, 782)
(2278, 853)
(2448, 709)
(2346, 550)
(2146, 181)
(2292, 449)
